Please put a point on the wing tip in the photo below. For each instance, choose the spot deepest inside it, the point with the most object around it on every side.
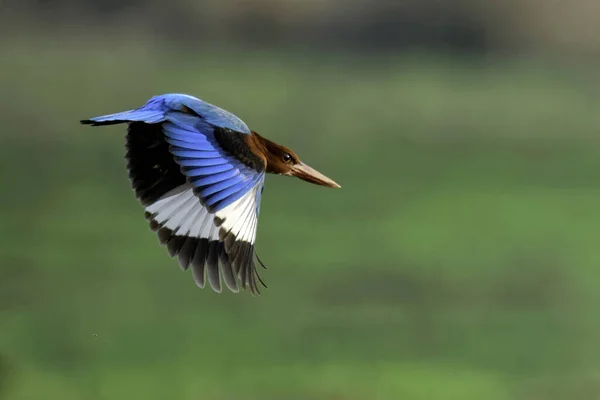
(215, 263)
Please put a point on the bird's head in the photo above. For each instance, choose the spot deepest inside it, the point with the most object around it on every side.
(283, 161)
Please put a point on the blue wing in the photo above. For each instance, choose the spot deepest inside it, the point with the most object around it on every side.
(219, 178)
(158, 107)
(174, 156)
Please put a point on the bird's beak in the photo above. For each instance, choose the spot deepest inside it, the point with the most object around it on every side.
(311, 175)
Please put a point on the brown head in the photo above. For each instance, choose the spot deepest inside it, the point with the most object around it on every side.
(283, 161)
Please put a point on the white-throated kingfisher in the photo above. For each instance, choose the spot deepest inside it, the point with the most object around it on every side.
(199, 171)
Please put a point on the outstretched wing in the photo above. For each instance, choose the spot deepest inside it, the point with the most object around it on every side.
(200, 184)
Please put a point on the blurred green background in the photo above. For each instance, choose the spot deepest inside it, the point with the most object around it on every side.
(458, 261)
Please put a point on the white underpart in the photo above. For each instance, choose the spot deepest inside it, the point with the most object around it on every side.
(181, 211)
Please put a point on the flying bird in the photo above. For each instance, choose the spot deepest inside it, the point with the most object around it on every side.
(199, 172)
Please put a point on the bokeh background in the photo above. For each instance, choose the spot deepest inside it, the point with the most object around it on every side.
(458, 261)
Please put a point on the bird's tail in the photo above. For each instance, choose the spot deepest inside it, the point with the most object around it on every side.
(143, 114)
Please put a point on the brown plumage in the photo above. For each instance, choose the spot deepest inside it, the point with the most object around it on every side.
(281, 160)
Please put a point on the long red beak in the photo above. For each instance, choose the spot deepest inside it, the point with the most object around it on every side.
(311, 175)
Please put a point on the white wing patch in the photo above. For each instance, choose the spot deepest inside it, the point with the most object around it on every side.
(240, 217)
(180, 211)
(204, 240)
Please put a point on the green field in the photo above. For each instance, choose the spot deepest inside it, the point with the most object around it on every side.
(458, 261)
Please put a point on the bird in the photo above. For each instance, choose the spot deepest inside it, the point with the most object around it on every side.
(199, 173)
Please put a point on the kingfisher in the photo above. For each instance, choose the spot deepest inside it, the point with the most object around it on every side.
(199, 173)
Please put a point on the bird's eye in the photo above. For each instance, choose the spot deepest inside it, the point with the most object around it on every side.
(287, 157)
